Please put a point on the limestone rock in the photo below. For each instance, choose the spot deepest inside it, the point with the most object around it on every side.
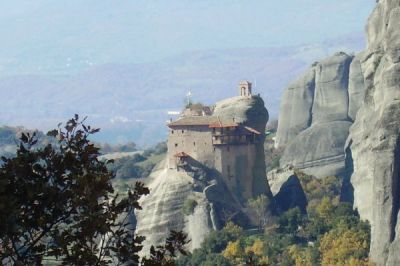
(287, 190)
(366, 90)
(356, 87)
(374, 141)
(295, 109)
(248, 110)
(162, 209)
(331, 95)
(316, 113)
(319, 150)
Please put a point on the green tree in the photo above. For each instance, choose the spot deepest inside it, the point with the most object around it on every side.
(290, 221)
(165, 255)
(57, 203)
(188, 206)
(217, 240)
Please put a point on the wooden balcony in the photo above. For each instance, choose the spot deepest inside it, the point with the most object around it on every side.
(230, 139)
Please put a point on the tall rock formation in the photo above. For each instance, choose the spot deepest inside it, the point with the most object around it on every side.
(204, 182)
(358, 97)
(316, 113)
(374, 140)
(250, 112)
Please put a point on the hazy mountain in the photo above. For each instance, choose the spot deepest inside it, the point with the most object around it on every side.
(130, 101)
(58, 37)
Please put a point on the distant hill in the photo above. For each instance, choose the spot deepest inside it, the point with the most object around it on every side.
(130, 101)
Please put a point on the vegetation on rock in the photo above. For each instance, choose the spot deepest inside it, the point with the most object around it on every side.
(330, 233)
(188, 206)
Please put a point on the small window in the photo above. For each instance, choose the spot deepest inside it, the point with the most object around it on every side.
(172, 132)
(214, 148)
(176, 144)
(194, 143)
(183, 131)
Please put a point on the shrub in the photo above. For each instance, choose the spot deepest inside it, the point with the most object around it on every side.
(188, 206)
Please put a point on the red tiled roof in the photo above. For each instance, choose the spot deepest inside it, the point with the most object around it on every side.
(181, 154)
(194, 121)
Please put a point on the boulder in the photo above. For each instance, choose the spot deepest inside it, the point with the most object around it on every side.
(287, 190)
(248, 110)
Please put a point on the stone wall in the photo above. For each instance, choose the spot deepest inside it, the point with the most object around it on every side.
(236, 164)
(193, 140)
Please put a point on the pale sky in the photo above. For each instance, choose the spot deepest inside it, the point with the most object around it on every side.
(42, 33)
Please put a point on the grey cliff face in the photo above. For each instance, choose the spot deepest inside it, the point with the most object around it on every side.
(317, 111)
(318, 150)
(375, 136)
(364, 90)
(356, 86)
(295, 110)
(331, 92)
(162, 209)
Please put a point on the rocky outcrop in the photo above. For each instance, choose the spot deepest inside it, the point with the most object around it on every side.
(356, 86)
(251, 112)
(373, 144)
(163, 209)
(318, 150)
(215, 201)
(295, 110)
(287, 190)
(317, 111)
(364, 90)
(331, 90)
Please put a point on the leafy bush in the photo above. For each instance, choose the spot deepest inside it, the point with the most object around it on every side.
(188, 206)
(58, 203)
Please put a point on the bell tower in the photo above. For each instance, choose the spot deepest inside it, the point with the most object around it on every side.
(245, 88)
